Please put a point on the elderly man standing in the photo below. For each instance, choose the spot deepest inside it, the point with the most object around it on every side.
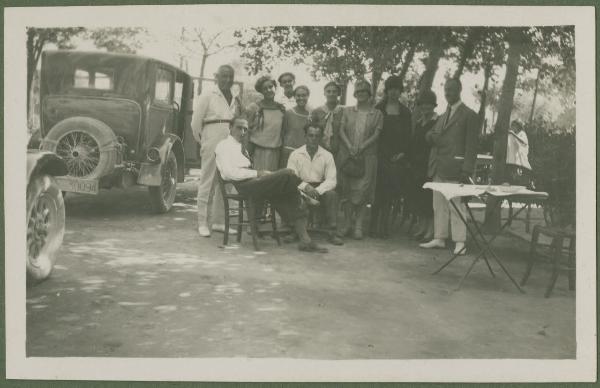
(210, 124)
(281, 188)
(287, 81)
(452, 160)
(316, 167)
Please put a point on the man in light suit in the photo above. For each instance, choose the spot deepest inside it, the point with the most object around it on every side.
(452, 160)
(210, 124)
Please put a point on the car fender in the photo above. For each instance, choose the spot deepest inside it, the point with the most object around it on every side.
(44, 162)
(150, 173)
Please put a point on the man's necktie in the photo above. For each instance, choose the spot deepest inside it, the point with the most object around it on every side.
(246, 154)
(448, 115)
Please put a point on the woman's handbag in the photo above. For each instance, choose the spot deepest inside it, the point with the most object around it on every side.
(354, 166)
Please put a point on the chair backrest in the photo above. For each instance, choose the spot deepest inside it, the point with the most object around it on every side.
(559, 210)
(222, 183)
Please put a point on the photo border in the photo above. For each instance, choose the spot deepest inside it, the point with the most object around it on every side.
(13, 174)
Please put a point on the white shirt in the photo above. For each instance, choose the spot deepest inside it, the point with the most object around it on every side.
(212, 105)
(231, 162)
(517, 152)
(320, 169)
(288, 102)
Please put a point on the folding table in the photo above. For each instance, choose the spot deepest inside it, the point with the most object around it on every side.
(466, 192)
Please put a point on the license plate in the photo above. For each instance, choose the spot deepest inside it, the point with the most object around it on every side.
(77, 185)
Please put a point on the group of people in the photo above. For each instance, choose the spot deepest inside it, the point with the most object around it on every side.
(280, 150)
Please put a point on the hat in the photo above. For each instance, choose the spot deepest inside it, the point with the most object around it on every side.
(259, 83)
(393, 82)
(302, 87)
(362, 84)
(284, 74)
(333, 83)
(427, 97)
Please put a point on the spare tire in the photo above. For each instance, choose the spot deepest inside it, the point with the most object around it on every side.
(88, 146)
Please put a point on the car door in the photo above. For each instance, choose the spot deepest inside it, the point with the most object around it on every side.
(161, 112)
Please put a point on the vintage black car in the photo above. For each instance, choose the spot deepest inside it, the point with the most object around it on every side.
(116, 120)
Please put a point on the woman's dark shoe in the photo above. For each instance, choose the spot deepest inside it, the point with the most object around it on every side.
(419, 236)
(311, 247)
(358, 234)
(427, 237)
(346, 231)
(290, 238)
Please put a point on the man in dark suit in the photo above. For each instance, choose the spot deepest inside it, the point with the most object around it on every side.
(452, 160)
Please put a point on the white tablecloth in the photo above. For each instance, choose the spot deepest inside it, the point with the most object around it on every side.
(454, 190)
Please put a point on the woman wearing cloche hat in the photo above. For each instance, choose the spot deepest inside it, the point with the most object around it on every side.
(265, 120)
(357, 157)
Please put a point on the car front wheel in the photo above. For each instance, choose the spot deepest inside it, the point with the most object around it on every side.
(45, 226)
(163, 196)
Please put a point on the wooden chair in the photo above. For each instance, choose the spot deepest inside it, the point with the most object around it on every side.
(559, 227)
(250, 206)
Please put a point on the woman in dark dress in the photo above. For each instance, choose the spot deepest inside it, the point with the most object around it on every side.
(392, 163)
(422, 199)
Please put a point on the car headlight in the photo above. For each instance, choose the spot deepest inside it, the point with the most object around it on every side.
(153, 155)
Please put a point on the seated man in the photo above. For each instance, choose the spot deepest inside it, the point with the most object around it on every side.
(280, 188)
(316, 167)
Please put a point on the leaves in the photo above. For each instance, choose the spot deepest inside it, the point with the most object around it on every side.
(118, 39)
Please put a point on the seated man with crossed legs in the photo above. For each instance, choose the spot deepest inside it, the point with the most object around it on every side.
(280, 188)
(316, 167)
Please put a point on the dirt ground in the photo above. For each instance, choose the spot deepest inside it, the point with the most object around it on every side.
(129, 283)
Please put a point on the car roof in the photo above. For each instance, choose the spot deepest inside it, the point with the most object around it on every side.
(107, 55)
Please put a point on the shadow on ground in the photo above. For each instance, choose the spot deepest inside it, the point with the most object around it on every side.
(133, 284)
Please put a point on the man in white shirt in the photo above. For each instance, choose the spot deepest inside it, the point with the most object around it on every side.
(316, 167)
(281, 188)
(287, 81)
(210, 124)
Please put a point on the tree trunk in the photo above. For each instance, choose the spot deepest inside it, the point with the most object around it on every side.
(431, 64)
(535, 92)
(202, 68)
(375, 79)
(487, 72)
(343, 92)
(467, 49)
(31, 65)
(408, 58)
(515, 47)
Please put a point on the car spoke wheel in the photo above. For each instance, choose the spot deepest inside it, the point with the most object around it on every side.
(163, 196)
(80, 151)
(88, 146)
(45, 226)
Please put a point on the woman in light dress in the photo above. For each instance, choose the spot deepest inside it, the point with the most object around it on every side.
(359, 130)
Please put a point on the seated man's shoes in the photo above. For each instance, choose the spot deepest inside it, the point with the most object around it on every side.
(435, 243)
(460, 249)
(308, 199)
(335, 239)
(311, 247)
(221, 228)
(203, 231)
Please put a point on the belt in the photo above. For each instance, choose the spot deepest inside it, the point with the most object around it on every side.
(217, 122)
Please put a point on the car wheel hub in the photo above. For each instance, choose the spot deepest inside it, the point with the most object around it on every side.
(38, 226)
(80, 151)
